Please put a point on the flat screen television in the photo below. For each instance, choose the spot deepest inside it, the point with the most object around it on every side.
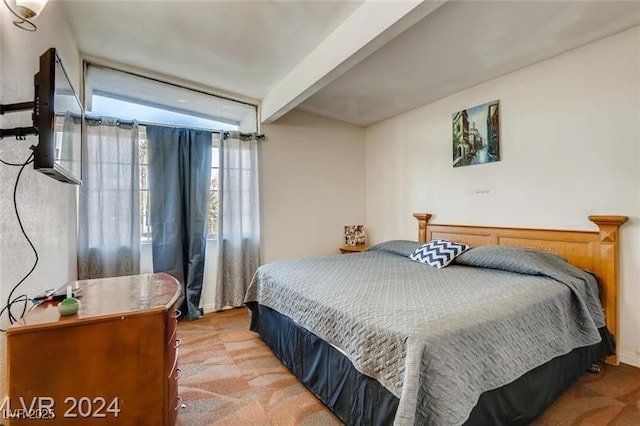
(58, 117)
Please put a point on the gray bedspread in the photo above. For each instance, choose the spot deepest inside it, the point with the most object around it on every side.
(438, 338)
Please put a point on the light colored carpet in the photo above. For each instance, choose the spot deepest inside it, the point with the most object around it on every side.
(231, 377)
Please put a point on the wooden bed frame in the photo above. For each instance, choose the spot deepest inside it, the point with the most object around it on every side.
(593, 251)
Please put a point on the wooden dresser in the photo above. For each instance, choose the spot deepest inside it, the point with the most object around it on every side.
(114, 362)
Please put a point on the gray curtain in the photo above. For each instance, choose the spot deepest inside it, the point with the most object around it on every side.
(179, 186)
(109, 210)
(238, 219)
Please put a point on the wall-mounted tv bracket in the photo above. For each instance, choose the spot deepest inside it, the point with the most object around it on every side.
(19, 132)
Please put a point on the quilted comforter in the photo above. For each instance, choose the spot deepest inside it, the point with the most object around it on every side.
(438, 338)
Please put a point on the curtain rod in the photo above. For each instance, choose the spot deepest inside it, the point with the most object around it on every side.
(119, 122)
(217, 132)
(95, 62)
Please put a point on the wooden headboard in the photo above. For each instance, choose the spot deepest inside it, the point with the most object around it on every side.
(593, 251)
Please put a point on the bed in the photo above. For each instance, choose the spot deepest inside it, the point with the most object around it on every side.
(492, 338)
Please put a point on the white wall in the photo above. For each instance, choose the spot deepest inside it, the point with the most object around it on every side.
(312, 184)
(47, 207)
(570, 147)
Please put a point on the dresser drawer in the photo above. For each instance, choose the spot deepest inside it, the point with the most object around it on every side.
(172, 322)
(173, 364)
(173, 385)
(171, 355)
(174, 400)
(173, 411)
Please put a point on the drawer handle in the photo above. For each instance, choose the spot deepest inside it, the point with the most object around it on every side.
(176, 343)
(178, 373)
(179, 400)
(177, 313)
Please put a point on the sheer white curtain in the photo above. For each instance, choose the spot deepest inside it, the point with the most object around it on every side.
(109, 211)
(238, 218)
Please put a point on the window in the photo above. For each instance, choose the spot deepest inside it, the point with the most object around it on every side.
(126, 96)
(128, 109)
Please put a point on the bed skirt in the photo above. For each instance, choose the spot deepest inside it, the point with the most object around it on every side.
(360, 400)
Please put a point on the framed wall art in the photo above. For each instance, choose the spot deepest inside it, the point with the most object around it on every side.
(354, 235)
(476, 135)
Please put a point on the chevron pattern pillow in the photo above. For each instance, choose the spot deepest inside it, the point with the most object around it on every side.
(438, 253)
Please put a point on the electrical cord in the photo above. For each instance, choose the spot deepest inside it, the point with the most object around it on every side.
(23, 298)
(7, 163)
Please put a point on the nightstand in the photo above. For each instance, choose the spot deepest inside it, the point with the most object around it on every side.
(353, 249)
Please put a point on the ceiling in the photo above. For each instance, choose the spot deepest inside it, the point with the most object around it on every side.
(242, 47)
(356, 61)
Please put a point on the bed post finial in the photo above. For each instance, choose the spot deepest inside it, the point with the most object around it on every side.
(609, 226)
(608, 247)
(423, 219)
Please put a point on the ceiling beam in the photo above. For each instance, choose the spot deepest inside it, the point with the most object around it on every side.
(368, 28)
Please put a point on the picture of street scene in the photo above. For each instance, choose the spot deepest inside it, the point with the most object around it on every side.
(476, 137)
